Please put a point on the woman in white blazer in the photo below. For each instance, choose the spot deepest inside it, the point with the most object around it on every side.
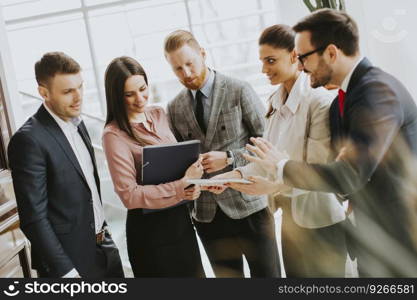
(313, 239)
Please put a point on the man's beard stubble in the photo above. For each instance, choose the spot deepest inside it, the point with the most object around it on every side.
(199, 83)
(322, 75)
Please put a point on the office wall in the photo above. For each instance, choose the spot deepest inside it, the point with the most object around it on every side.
(387, 30)
(8, 80)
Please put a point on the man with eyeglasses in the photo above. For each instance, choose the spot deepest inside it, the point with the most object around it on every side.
(373, 125)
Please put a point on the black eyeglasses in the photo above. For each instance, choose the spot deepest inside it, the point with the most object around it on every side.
(303, 56)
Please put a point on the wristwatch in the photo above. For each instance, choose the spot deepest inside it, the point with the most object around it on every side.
(230, 158)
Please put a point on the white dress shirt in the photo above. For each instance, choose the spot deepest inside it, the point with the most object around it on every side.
(300, 128)
(345, 82)
(70, 130)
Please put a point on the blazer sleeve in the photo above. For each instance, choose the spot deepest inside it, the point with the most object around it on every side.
(253, 115)
(171, 122)
(317, 141)
(318, 135)
(375, 119)
(29, 172)
(123, 173)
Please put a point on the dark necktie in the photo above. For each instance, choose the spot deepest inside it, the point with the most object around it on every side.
(341, 100)
(199, 111)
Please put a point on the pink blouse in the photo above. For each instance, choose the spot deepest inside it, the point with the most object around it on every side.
(124, 158)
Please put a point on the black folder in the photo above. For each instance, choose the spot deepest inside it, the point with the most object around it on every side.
(166, 163)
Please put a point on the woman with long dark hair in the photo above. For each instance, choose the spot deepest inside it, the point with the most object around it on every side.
(163, 243)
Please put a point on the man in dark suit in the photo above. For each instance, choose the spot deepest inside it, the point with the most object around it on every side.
(373, 125)
(56, 182)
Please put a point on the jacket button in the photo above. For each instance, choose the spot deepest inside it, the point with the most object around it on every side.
(92, 225)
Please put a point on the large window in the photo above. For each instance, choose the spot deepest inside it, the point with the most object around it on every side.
(4, 130)
(94, 32)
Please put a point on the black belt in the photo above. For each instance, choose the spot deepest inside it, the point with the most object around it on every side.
(100, 236)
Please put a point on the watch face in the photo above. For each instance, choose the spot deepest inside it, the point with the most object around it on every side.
(229, 158)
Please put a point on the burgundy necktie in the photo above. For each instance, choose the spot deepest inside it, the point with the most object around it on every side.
(341, 102)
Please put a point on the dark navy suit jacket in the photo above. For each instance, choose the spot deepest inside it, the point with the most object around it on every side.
(378, 171)
(54, 200)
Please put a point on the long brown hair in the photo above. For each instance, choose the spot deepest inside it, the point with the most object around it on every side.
(278, 36)
(117, 72)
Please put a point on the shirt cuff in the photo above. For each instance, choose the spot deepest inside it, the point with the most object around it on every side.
(71, 274)
(242, 172)
(280, 170)
(295, 192)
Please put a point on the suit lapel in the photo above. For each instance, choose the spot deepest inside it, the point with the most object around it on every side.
(218, 97)
(82, 130)
(340, 125)
(362, 68)
(55, 131)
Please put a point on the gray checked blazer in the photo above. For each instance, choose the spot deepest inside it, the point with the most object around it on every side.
(236, 115)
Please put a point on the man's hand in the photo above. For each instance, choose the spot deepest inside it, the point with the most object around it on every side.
(259, 186)
(214, 161)
(192, 193)
(347, 153)
(267, 156)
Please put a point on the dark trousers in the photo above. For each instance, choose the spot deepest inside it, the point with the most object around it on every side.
(107, 262)
(319, 252)
(163, 244)
(226, 240)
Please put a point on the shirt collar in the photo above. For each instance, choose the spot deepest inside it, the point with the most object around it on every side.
(141, 119)
(207, 86)
(61, 123)
(295, 95)
(345, 82)
(145, 117)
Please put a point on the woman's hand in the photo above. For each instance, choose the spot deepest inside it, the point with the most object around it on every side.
(192, 193)
(259, 186)
(215, 189)
(195, 171)
(218, 189)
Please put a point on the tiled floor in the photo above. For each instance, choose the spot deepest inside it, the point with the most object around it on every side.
(350, 266)
(119, 226)
(206, 263)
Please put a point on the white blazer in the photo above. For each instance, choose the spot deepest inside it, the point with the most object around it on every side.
(300, 128)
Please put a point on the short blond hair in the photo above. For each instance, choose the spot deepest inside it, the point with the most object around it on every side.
(179, 38)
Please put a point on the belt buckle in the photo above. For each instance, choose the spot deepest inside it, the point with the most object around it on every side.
(100, 236)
